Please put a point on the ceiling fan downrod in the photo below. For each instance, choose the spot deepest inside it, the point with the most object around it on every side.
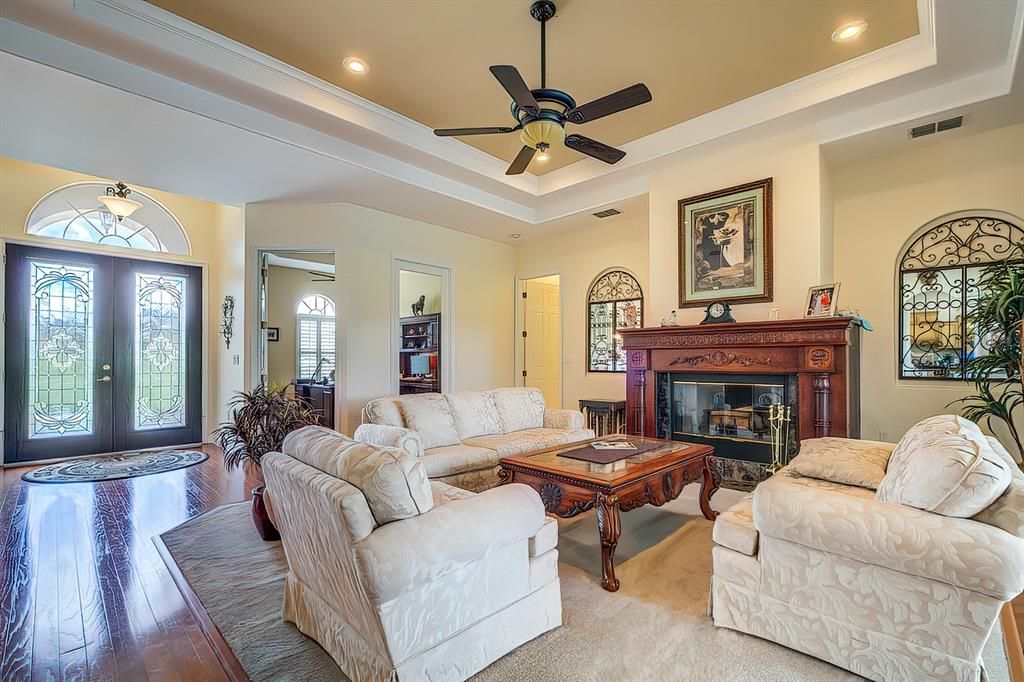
(542, 11)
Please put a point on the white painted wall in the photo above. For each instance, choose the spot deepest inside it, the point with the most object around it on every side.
(365, 243)
(879, 204)
(412, 285)
(215, 234)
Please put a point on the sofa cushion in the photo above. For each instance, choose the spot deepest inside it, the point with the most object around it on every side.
(430, 416)
(383, 411)
(529, 440)
(444, 493)
(519, 408)
(386, 436)
(395, 484)
(734, 528)
(475, 413)
(456, 459)
(843, 460)
(945, 465)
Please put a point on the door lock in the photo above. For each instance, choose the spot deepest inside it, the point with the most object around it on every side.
(105, 379)
(105, 368)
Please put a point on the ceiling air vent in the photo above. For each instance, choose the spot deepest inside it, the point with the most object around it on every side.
(607, 213)
(936, 127)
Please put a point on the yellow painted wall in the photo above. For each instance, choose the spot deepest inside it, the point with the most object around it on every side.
(365, 243)
(578, 257)
(879, 204)
(288, 286)
(215, 234)
(412, 285)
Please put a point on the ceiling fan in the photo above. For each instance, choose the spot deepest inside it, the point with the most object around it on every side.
(541, 126)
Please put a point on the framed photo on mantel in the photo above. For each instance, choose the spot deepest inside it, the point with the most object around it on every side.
(725, 246)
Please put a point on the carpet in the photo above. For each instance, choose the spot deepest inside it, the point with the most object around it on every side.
(655, 627)
(112, 467)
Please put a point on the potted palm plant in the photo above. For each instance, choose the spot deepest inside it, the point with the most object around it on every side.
(260, 419)
(997, 316)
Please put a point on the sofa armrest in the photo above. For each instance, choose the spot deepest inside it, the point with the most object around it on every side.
(853, 524)
(563, 419)
(390, 437)
(397, 557)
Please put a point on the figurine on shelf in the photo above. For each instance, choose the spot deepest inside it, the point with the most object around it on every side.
(417, 307)
(672, 321)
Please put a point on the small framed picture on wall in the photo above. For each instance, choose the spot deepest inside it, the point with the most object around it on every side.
(822, 300)
(273, 334)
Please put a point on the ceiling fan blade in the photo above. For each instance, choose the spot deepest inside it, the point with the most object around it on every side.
(632, 96)
(599, 150)
(522, 160)
(514, 84)
(448, 132)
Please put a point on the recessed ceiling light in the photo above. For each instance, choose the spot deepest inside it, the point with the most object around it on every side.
(849, 31)
(355, 65)
(515, 235)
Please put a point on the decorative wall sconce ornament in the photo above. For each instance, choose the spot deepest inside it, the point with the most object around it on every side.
(227, 322)
(779, 417)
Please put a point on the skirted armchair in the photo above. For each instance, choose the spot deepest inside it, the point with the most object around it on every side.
(905, 582)
(400, 578)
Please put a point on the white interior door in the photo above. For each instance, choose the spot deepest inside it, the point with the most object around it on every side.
(543, 340)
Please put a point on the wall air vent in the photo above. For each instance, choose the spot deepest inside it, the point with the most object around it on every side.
(936, 127)
(607, 213)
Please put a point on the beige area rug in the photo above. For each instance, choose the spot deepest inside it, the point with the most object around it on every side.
(655, 627)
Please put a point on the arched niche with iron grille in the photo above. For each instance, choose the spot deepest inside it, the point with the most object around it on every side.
(615, 301)
(937, 282)
(74, 213)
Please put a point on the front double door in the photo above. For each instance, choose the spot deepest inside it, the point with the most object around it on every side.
(102, 354)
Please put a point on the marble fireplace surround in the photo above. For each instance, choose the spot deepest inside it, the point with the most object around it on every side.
(820, 355)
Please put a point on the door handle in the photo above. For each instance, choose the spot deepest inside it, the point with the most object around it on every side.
(105, 379)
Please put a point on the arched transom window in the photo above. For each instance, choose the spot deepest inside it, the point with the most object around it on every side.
(74, 213)
(615, 302)
(938, 284)
(314, 337)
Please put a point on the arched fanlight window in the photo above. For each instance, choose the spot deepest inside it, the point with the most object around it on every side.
(74, 212)
(314, 350)
(614, 302)
(937, 275)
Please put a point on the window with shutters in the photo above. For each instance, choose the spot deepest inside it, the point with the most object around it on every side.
(314, 337)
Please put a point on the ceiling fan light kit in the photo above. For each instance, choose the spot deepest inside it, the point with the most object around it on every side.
(541, 114)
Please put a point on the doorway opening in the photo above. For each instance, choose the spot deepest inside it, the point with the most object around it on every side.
(421, 312)
(298, 323)
(542, 336)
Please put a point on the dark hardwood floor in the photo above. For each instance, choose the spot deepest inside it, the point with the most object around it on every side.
(84, 594)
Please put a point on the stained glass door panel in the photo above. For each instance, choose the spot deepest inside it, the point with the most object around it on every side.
(103, 354)
(57, 401)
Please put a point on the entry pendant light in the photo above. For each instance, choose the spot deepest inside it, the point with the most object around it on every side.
(117, 202)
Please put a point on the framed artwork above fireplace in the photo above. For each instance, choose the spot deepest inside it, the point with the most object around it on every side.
(725, 246)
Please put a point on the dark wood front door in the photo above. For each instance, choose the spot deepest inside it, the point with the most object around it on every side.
(102, 354)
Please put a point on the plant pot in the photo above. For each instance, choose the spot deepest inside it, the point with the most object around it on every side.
(260, 518)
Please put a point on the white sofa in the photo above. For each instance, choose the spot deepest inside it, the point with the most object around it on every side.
(461, 436)
(401, 578)
(905, 583)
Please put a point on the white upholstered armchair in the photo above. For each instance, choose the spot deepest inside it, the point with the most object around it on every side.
(400, 578)
(905, 583)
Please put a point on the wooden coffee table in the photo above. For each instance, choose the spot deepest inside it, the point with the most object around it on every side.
(568, 487)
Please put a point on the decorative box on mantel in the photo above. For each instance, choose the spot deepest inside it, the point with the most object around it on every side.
(715, 384)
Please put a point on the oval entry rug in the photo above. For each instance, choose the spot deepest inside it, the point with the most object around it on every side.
(111, 467)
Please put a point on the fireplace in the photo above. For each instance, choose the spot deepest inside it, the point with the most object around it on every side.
(714, 384)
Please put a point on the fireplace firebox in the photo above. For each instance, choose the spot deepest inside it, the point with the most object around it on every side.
(715, 383)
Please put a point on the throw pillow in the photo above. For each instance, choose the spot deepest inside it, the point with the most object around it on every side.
(859, 463)
(519, 408)
(475, 413)
(945, 465)
(394, 483)
(430, 416)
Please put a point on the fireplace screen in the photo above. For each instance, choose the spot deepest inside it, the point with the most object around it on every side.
(725, 409)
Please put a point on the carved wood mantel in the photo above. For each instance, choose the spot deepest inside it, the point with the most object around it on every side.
(823, 354)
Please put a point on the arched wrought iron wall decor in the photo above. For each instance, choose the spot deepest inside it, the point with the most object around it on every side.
(615, 301)
(937, 277)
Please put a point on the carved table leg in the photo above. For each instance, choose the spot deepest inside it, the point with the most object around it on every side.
(504, 476)
(609, 528)
(708, 487)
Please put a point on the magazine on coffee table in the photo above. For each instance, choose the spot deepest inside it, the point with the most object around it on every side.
(613, 445)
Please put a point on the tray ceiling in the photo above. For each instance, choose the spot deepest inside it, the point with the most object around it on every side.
(428, 60)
